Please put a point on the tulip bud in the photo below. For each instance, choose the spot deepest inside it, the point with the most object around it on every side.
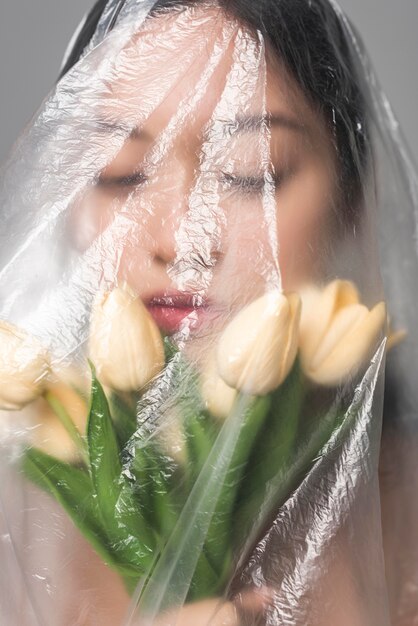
(24, 367)
(49, 433)
(257, 349)
(218, 396)
(337, 333)
(125, 344)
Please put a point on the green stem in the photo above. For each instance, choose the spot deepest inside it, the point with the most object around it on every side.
(253, 418)
(292, 470)
(270, 454)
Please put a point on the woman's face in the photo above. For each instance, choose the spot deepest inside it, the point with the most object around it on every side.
(223, 185)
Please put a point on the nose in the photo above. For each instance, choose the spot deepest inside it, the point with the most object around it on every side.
(162, 248)
(169, 193)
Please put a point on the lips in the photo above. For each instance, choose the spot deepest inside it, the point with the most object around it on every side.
(170, 308)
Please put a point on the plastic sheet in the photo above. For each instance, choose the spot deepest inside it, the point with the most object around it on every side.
(208, 345)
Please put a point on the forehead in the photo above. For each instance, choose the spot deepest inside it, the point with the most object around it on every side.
(197, 64)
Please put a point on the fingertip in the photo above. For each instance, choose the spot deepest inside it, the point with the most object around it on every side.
(255, 600)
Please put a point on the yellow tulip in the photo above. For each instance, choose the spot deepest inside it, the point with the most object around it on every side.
(337, 333)
(125, 344)
(49, 434)
(257, 349)
(217, 395)
(24, 366)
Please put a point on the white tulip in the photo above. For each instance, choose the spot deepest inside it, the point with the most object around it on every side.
(257, 349)
(337, 333)
(24, 366)
(125, 344)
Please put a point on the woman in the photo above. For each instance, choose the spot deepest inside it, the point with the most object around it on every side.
(199, 155)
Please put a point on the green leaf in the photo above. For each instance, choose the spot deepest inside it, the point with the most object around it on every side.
(201, 431)
(159, 487)
(206, 580)
(170, 349)
(316, 424)
(131, 537)
(123, 412)
(72, 488)
(142, 483)
(104, 453)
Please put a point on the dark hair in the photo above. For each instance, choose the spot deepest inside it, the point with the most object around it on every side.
(310, 38)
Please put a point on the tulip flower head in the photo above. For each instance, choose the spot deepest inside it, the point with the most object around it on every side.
(24, 367)
(257, 349)
(337, 333)
(125, 344)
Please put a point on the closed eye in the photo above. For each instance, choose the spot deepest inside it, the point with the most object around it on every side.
(248, 184)
(130, 180)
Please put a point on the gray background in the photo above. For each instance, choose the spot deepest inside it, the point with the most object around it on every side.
(34, 35)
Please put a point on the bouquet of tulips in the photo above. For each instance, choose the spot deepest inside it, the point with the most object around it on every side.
(163, 466)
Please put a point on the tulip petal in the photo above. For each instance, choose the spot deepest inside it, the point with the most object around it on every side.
(125, 344)
(318, 308)
(338, 331)
(291, 349)
(252, 350)
(347, 293)
(24, 367)
(354, 348)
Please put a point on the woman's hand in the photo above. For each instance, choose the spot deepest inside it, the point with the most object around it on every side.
(246, 608)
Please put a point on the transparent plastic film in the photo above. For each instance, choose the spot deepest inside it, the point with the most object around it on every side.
(207, 341)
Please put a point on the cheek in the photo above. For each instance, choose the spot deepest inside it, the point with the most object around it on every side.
(246, 253)
(246, 235)
(106, 229)
(299, 224)
(88, 217)
(303, 211)
(103, 218)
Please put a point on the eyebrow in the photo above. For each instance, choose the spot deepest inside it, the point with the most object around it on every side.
(253, 123)
(132, 133)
